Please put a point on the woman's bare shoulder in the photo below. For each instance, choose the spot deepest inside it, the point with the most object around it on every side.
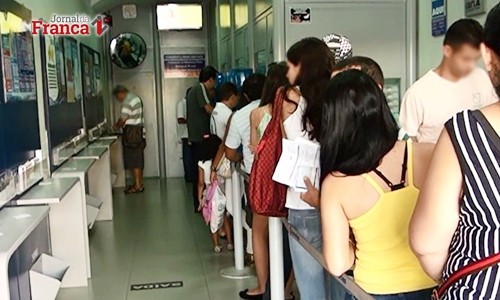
(293, 94)
(492, 114)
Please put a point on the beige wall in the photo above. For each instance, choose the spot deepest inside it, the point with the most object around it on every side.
(429, 47)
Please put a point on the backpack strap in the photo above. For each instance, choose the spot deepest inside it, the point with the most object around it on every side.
(470, 269)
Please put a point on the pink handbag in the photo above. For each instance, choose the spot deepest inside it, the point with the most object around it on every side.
(207, 204)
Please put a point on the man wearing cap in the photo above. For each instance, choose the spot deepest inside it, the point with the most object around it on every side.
(132, 123)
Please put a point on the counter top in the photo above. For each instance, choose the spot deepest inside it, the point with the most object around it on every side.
(47, 192)
(91, 153)
(76, 166)
(16, 224)
(102, 143)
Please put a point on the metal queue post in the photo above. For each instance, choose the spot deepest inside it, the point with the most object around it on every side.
(276, 256)
(239, 271)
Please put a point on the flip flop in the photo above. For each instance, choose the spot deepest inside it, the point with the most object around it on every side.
(134, 190)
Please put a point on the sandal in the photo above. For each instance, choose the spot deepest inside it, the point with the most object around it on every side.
(230, 247)
(218, 249)
(134, 190)
(244, 295)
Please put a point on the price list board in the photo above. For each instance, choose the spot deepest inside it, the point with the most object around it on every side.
(92, 87)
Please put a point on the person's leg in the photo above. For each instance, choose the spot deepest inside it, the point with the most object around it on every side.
(216, 241)
(287, 265)
(138, 179)
(187, 160)
(228, 230)
(260, 242)
(289, 286)
(194, 169)
(309, 274)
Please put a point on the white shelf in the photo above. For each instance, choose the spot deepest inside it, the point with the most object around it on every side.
(93, 206)
(46, 276)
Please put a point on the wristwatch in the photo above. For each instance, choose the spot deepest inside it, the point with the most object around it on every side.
(214, 169)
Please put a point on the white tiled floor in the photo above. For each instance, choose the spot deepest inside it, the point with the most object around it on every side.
(156, 237)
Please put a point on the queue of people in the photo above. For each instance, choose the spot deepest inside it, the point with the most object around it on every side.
(412, 219)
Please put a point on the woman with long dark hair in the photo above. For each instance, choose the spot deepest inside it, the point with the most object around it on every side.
(456, 223)
(259, 119)
(369, 189)
(310, 65)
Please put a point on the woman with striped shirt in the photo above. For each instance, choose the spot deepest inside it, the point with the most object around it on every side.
(457, 219)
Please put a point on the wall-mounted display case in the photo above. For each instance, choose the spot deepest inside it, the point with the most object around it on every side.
(20, 165)
(63, 95)
(93, 102)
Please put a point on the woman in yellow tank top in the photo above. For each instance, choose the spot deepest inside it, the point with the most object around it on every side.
(369, 190)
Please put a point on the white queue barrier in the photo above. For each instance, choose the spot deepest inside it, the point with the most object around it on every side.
(239, 271)
(276, 258)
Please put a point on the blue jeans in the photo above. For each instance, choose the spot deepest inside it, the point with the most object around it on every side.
(417, 295)
(309, 274)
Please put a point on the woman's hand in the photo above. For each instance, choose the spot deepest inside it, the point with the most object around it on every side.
(200, 205)
(252, 148)
(311, 197)
(213, 176)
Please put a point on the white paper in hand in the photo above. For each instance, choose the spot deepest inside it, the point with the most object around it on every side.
(299, 159)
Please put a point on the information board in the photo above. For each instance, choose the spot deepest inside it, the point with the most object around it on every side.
(18, 107)
(439, 22)
(19, 123)
(92, 87)
(63, 109)
(183, 65)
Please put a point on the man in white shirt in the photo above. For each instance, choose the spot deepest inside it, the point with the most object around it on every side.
(457, 84)
(182, 135)
(239, 128)
(132, 123)
(224, 109)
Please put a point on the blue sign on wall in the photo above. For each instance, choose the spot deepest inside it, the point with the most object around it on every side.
(438, 17)
(183, 65)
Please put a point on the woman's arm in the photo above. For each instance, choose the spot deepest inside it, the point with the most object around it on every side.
(254, 123)
(338, 251)
(201, 187)
(436, 215)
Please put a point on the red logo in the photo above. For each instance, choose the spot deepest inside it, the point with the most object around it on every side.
(69, 25)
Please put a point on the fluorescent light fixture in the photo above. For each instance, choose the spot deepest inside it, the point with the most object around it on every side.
(10, 23)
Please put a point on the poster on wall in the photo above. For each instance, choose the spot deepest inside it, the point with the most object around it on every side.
(474, 7)
(73, 73)
(51, 67)
(300, 15)
(183, 65)
(392, 91)
(439, 23)
(19, 70)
